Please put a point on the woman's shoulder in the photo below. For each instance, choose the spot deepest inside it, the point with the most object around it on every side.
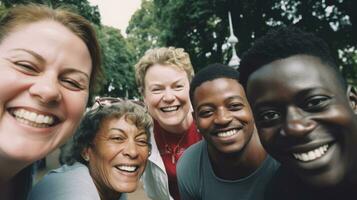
(66, 182)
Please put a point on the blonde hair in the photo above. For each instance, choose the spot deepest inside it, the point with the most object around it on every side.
(20, 15)
(167, 56)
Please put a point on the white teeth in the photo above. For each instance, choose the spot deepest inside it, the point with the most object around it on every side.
(32, 118)
(127, 168)
(311, 155)
(169, 109)
(227, 133)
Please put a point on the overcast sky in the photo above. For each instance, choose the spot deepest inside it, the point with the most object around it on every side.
(116, 13)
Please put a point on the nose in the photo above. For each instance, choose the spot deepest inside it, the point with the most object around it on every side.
(223, 117)
(168, 96)
(296, 124)
(46, 89)
(131, 150)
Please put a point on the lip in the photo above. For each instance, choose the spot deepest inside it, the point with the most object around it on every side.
(227, 139)
(319, 163)
(309, 146)
(127, 173)
(57, 120)
(163, 107)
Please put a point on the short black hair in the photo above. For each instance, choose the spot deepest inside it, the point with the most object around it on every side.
(212, 72)
(282, 43)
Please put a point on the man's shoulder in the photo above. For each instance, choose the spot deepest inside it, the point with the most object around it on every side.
(191, 155)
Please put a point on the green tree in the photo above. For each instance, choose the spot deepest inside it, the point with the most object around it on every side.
(82, 6)
(201, 26)
(143, 31)
(117, 63)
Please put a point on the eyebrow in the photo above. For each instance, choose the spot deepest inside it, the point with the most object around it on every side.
(42, 60)
(34, 54)
(117, 129)
(228, 99)
(235, 97)
(175, 82)
(77, 71)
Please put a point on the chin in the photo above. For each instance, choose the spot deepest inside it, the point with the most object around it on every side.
(328, 179)
(127, 188)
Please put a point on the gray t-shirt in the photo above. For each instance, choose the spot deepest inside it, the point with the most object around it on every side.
(67, 183)
(196, 178)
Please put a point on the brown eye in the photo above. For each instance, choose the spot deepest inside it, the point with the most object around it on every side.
(268, 118)
(236, 106)
(316, 103)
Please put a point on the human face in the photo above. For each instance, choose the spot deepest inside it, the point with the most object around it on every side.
(307, 122)
(118, 156)
(44, 81)
(167, 95)
(223, 115)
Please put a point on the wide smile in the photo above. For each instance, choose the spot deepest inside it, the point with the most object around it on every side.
(312, 154)
(127, 168)
(228, 133)
(34, 119)
(169, 109)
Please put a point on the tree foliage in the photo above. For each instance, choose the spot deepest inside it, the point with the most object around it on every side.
(117, 63)
(81, 6)
(143, 31)
(201, 26)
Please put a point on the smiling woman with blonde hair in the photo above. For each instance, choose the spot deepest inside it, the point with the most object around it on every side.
(163, 76)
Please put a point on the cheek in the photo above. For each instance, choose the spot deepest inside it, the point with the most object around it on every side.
(245, 116)
(184, 95)
(151, 100)
(144, 154)
(11, 84)
(204, 123)
(75, 104)
(266, 136)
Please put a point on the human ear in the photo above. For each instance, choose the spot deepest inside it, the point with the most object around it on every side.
(195, 120)
(85, 154)
(352, 97)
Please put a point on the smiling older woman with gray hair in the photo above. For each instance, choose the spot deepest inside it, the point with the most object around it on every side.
(107, 157)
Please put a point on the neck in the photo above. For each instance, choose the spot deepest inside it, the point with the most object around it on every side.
(9, 168)
(178, 128)
(240, 164)
(105, 193)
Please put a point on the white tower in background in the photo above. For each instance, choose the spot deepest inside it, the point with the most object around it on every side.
(233, 40)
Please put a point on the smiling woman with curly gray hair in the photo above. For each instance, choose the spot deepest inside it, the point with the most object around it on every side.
(107, 157)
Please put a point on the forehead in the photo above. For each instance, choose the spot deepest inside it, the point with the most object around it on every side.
(158, 70)
(217, 90)
(116, 123)
(292, 74)
(164, 74)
